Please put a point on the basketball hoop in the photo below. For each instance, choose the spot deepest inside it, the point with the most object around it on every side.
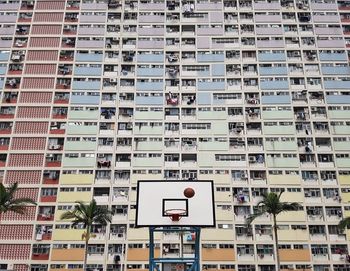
(180, 267)
(175, 214)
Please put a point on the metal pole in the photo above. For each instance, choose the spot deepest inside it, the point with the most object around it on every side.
(151, 249)
(197, 248)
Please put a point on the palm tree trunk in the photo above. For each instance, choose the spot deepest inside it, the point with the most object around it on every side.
(276, 242)
(87, 238)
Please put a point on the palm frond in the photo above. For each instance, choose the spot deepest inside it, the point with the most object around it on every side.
(12, 189)
(19, 209)
(294, 206)
(280, 194)
(8, 202)
(23, 201)
(88, 214)
(344, 223)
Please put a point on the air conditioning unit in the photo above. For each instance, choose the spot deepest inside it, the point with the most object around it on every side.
(100, 155)
(113, 80)
(290, 266)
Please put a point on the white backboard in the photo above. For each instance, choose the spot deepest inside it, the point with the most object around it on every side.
(154, 197)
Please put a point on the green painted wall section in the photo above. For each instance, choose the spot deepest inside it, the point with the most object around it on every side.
(279, 130)
(82, 130)
(147, 162)
(213, 146)
(282, 162)
(212, 115)
(337, 114)
(84, 114)
(78, 162)
(149, 146)
(341, 146)
(282, 114)
(80, 146)
(342, 162)
(148, 130)
(139, 115)
(280, 145)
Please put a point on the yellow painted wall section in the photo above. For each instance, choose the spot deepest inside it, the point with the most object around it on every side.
(132, 214)
(72, 254)
(74, 196)
(345, 197)
(67, 234)
(133, 196)
(344, 179)
(294, 255)
(145, 177)
(223, 196)
(293, 216)
(213, 254)
(217, 234)
(346, 213)
(217, 178)
(141, 234)
(223, 214)
(284, 179)
(77, 179)
(140, 254)
(292, 197)
(348, 235)
(293, 235)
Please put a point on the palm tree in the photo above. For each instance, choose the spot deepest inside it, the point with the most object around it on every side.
(344, 223)
(87, 215)
(8, 201)
(272, 205)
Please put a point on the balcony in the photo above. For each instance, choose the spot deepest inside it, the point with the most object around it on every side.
(342, 162)
(80, 146)
(292, 235)
(48, 198)
(284, 179)
(74, 196)
(87, 71)
(333, 56)
(67, 234)
(292, 216)
(217, 235)
(210, 58)
(86, 85)
(277, 114)
(78, 161)
(82, 130)
(84, 115)
(71, 254)
(86, 57)
(294, 255)
(218, 255)
(279, 130)
(274, 85)
(140, 254)
(75, 179)
(271, 57)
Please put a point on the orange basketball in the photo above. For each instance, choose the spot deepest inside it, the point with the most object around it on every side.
(189, 192)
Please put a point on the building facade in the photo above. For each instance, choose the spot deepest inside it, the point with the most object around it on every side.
(253, 95)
